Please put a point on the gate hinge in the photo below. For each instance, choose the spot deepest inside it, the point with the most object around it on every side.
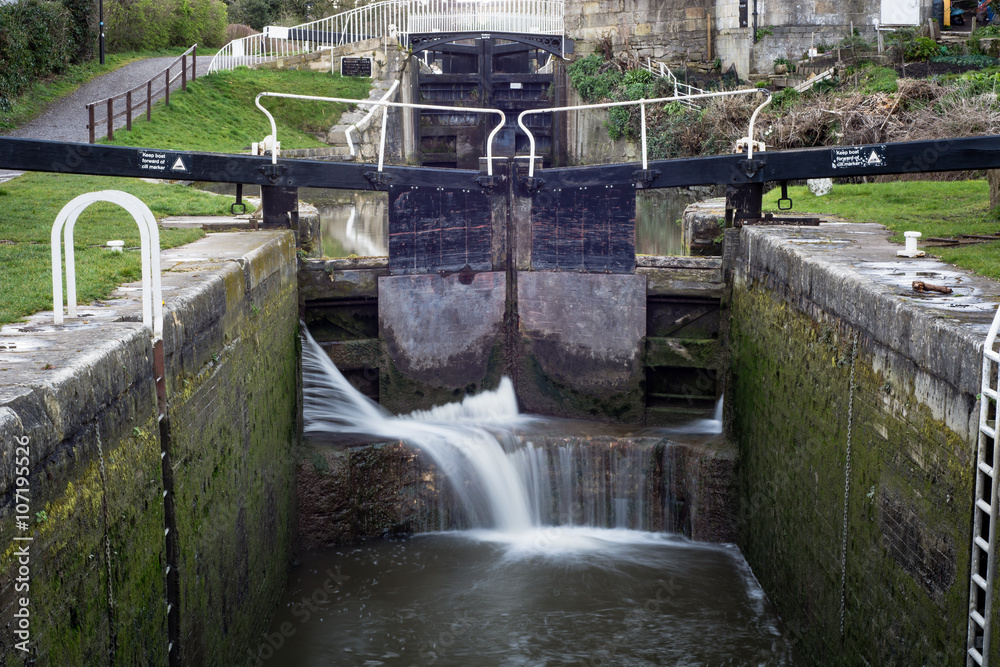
(751, 167)
(272, 172)
(532, 185)
(489, 183)
(645, 177)
(379, 179)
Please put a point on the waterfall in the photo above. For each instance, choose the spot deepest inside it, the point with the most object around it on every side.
(460, 449)
(503, 479)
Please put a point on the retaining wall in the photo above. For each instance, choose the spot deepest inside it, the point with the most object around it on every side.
(81, 397)
(830, 346)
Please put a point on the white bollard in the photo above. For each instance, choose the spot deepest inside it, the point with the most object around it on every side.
(911, 245)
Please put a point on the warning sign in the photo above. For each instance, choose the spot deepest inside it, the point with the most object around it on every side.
(859, 157)
(164, 161)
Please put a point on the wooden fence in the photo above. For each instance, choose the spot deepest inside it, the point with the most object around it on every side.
(133, 101)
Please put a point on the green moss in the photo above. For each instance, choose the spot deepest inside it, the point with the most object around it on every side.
(907, 557)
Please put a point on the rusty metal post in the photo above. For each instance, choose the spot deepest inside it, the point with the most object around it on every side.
(128, 111)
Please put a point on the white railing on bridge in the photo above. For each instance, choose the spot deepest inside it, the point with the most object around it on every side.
(393, 20)
(681, 90)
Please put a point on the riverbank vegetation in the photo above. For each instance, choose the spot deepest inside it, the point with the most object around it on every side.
(917, 90)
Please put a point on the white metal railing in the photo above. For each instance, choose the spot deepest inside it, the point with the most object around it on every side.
(393, 19)
(642, 107)
(385, 109)
(368, 117)
(681, 90)
(984, 527)
(152, 294)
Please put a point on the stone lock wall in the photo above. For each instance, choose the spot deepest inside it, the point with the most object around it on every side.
(822, 354)
(82, 397)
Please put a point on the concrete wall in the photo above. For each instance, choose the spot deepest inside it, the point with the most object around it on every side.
(819, 315)
(81, 396)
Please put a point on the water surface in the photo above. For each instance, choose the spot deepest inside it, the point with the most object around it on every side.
(551, 596)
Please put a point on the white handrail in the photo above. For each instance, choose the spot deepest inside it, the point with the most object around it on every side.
(152, 293)
(364, 121)
(663, 71)
(385, 105)
(394, 19)
(641, 103)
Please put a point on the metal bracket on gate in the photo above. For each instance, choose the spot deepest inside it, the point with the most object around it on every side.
(489, 183)
(379, 179)
(751, 167)
(272, 172)
(532, 185)
(645, 177)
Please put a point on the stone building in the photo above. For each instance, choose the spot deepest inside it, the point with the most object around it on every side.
(747, 34)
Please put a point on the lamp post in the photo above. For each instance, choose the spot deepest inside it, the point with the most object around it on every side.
(100, 19)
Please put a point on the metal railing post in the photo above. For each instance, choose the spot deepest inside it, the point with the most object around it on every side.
(111, 119)
(90, 125)
(167, 88)
(194, 62)
(128, 111)
(184, 72)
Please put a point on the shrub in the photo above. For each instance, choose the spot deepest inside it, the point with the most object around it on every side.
(879, 80)
(922, 48)
(594, 78)
(141, 25)
(255, 13)
(36, 39)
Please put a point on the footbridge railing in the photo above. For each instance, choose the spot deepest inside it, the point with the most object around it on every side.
(393, 20)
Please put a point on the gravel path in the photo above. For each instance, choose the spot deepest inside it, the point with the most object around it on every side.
(66, 119)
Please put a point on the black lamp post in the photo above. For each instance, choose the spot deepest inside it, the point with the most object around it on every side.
(100, 18)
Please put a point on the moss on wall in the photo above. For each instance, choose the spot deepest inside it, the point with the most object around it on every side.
(908, 504)
(233, 427)
(76, 618)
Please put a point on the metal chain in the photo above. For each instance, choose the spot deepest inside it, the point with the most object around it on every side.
(847, 486)
(107, 542)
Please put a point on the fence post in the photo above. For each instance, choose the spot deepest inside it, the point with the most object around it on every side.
(167, 89)
(111, 118)
(149, 100)
(184, 72)
(128, 111)
(194, 62)
(90, 125)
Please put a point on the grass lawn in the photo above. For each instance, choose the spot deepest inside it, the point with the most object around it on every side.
(217, 113)
(28, 207)
(934, 208)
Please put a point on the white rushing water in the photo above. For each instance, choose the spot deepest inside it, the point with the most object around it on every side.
(503, 483)
(448, 434)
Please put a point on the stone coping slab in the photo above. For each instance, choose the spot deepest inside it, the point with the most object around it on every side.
(852, 272)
